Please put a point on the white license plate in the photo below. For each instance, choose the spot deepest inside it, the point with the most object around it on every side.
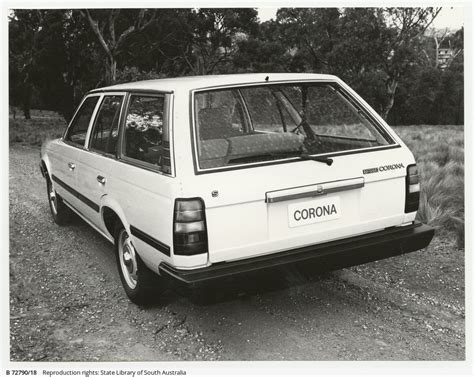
(314, 211)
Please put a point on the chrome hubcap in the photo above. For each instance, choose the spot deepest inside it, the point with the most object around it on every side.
(128, 259)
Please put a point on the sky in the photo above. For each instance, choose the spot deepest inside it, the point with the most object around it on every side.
(449, 17)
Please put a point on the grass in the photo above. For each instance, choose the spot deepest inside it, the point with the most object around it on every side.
(439, 152)
(43, 125)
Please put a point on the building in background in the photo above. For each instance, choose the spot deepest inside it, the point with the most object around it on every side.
(445, 56)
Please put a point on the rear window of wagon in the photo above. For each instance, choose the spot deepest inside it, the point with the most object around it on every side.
(263, 123)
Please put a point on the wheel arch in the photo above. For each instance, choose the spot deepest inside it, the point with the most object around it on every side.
(111, 212)
(44, 167)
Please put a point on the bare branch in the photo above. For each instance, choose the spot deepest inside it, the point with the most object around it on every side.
(453, 57)
(443, 37)
(95, 28)
(433, 18)
(125, 34)
(150, 21)
(457, 53)
(139, 25)
(215, 63)
(167, 56)
(188, 62)
(112, 17)
(427, 56)
(141, 14)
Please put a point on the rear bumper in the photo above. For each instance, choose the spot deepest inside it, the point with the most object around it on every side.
(325, 257)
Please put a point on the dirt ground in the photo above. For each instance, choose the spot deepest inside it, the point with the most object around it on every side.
(67, 304)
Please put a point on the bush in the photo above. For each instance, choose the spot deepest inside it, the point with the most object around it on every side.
(439, 151)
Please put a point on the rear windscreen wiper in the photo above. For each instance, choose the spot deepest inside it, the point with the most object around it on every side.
(261, 156)
(325, 160)
(267, 156)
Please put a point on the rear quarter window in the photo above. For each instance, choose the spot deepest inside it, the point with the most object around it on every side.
(145, 133)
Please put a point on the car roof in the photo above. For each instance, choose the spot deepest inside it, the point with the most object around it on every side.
(198, 82)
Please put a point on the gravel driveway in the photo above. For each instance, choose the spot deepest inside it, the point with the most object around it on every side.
(66, 301)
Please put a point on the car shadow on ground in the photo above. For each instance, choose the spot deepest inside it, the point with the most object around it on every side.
(222, 290)
(244, 287)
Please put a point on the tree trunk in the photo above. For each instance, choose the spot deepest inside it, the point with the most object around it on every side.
(391, 88)
(27, 101)
(68, 103)
(200, 65)
(460, 110)
(110, 70)
(66, 107)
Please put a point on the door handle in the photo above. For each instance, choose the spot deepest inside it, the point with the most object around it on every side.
(71, 166)
(101, 180)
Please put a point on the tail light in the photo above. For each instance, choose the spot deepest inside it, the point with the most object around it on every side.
(412, 188)
(189, 227)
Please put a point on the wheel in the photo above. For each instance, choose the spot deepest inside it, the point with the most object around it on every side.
(141, 285)
(60, 212)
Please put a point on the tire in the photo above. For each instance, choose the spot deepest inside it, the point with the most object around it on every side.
(141, 285)
(59, 211)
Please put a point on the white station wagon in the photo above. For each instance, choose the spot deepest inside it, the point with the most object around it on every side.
(202, 178)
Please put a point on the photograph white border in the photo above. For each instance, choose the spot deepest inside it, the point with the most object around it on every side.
(404, 368)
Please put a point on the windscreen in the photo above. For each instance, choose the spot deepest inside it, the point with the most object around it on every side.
(252, 124)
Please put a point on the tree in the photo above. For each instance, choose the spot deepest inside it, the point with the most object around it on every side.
(428, 93)
(431, 51)
(81, 70)
(112, 32)
(310, 34)
(52, 59)
(456, 43)
(358, 44)
(211, 37)
(385, 54)
(407, 26)
(158, 49)
(24, 29)
(264, 52)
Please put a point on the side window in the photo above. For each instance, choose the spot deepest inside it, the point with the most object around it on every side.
(106, 127)
(78, 130)
(144, 129)
(266, 110)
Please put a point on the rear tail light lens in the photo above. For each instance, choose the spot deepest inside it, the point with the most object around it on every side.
(189, 227)
(197, 226)
(412, 189)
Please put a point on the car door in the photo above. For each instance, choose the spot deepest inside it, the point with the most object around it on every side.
(99, 161)
(65, 154)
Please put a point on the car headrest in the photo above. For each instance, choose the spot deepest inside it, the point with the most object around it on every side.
(215, 123)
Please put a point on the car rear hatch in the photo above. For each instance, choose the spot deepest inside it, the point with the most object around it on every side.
(263, 192)
(251, 212)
